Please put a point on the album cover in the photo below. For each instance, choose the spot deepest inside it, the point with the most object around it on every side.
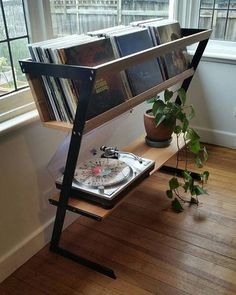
(109, 90)
(176, 61)
(141, 76)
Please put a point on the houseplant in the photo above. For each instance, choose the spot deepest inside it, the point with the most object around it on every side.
(175, 115)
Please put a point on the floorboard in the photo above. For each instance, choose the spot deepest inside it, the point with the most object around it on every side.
(151, 249)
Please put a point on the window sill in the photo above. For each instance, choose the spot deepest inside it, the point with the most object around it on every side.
(19, 121)
(218, 51)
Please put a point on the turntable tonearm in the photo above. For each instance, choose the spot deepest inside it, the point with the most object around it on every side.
(106, 177)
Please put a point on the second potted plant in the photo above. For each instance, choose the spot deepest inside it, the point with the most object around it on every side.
(173, 116)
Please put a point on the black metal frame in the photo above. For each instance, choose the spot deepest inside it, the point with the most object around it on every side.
(88, 76)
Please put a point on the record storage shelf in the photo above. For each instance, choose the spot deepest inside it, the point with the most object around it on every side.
(34, 71)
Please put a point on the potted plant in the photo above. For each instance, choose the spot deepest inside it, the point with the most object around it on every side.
(174, 116)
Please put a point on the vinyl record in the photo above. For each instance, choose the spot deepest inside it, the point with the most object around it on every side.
(102, 172)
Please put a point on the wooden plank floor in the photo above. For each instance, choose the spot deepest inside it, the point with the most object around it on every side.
(151, 249)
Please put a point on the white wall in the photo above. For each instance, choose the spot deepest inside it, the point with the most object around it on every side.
(26, 217)
(213, 94)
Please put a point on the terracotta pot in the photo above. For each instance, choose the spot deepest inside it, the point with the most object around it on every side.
(156, 133)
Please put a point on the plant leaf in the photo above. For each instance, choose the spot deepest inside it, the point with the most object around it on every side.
(194, 146)
(168, 95)
(159, 118)
(173, 183)
(197, 190)
(192, 113)
(187, 175)
(198, 162)
(186, 186)
(205, 176)
(205, 154)
(177, 207)
(158, 107)
(177, 129)
(192, 134)
(182, 95)
(169, 194)
(151, 99)
(185, 124)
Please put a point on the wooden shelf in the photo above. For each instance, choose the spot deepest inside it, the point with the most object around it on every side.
(127, 105)
(32, 70)
(138, 147)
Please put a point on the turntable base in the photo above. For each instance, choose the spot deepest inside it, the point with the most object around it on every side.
(104, 181)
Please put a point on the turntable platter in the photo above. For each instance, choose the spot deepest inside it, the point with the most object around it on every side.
(102, 172)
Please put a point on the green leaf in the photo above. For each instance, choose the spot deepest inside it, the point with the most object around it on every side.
(168, 95)
(185, 124)
(177, 129)
(159, 118)
(169, 194)
(198, 162)
(192, 134)
(205, 154)
(197, 190)
(158, 107)
(182, 95)
(151, 100)
(192, 113)
(194, 146)
(187, 175)
(177, 207)
(205, 176)
(173, 183)
(186, 186)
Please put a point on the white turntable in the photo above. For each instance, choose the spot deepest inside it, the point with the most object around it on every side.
(104, 179)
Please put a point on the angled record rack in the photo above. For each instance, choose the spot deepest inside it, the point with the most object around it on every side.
(34, 71)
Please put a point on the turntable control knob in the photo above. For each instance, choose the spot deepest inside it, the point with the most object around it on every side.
(101, 189)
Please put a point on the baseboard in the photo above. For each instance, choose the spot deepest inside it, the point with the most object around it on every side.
(217, 137)
(27, 248)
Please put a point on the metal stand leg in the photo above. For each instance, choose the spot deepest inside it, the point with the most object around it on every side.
(178, 172)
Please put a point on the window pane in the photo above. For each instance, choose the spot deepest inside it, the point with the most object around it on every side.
(14, 18)
(6, 75)
(2, 29)
(19, 51)
(207, 3)
(232, 4)
(205, 19)
(231, 27)
(140, 10)
(219, 23)
(222, 4)
(81, 16)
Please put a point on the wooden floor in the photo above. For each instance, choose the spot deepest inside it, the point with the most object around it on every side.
(151, 249)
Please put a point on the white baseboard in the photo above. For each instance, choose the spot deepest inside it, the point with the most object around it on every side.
(217, 137)
(27, 248)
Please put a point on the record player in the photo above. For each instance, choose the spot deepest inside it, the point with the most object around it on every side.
(106, 177)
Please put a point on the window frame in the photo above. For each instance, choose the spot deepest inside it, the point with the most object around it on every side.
(187, 13)
(18, 101)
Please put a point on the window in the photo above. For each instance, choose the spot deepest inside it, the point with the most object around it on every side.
(81, 16)
(220, 15)
(13, 46)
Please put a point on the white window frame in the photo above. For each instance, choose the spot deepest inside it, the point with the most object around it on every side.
(186, 12)
(21, 101)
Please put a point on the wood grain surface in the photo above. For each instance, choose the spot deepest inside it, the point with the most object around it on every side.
(151, 249)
